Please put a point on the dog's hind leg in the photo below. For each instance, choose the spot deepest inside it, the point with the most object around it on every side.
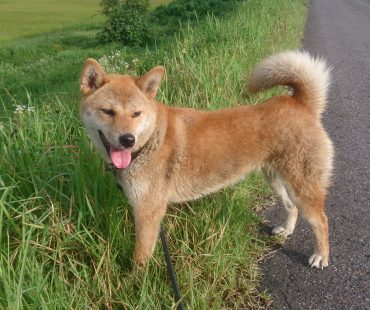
(291, 210)
(313, 212)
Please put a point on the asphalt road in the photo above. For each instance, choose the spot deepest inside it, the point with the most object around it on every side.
(338, 30)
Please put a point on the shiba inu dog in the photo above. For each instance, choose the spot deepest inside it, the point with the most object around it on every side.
(164, 155)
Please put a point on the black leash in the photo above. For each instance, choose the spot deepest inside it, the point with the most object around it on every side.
(171, 271)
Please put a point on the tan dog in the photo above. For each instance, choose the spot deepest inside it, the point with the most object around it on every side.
(168, 155)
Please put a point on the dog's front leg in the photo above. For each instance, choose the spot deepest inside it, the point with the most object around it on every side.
(148, 218)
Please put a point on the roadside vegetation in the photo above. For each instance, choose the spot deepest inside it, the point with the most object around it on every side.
(66, 232)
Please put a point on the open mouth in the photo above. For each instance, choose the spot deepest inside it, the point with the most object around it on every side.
(120, 158)
(105, 141)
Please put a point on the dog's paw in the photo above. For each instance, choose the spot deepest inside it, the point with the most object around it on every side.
(140, 259)
(318, 261)
(280, 230)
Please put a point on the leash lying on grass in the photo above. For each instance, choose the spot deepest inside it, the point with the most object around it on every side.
(171, 271)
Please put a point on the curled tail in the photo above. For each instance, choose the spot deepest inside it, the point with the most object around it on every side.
(309, 77)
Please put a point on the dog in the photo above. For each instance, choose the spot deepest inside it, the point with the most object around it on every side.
(163, 155)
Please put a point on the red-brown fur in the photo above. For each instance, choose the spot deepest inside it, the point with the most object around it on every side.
(185, 154)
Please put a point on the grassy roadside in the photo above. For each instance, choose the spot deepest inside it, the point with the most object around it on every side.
(66, 234)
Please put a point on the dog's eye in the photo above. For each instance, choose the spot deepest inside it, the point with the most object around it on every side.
(108, 112)
(136, 114)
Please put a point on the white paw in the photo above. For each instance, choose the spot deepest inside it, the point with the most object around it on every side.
(317, 261)
(280, 230)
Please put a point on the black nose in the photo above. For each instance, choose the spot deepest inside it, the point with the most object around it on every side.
(127, 140)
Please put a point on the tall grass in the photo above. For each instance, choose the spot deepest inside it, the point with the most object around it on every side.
(66, 233)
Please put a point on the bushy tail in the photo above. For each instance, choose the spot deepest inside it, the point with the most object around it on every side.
(309, 77)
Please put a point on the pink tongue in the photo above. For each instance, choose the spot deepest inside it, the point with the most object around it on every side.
(120, 159)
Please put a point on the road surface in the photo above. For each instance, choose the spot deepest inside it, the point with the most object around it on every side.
(338, 30)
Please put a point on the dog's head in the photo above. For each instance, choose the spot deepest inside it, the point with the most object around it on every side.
(118, 111)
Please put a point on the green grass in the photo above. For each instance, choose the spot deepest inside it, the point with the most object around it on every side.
(159, 2)
(66, 233)
(24, 18)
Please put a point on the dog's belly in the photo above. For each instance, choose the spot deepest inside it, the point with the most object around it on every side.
(193, 187)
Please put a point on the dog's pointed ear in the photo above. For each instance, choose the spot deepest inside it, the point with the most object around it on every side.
(149, 82)
(92, 77)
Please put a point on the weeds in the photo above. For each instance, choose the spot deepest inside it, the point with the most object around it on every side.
(66, 233)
